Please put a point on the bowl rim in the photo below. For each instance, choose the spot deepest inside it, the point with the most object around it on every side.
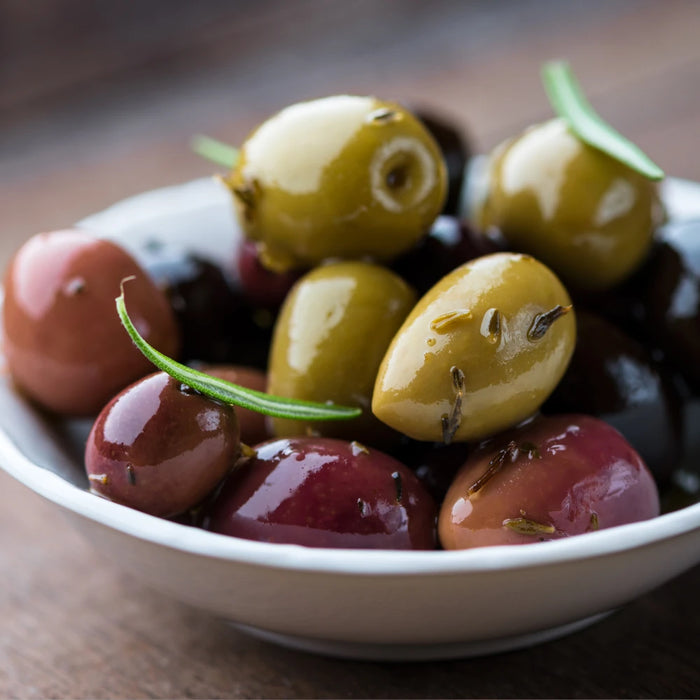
(360, 562)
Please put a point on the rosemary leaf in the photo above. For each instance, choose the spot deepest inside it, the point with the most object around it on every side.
(569, 102)
(215, 151)
(229, 393)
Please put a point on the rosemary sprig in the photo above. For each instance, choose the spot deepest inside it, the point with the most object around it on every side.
(568, 101)
(216, 151)
(229, 393)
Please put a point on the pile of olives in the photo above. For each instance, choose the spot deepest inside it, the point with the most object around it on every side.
(511, 364)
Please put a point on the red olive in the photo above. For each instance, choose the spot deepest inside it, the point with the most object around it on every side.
(253, 425)
(161, 448)
(323, 492)
(64, 343)
(262, 287)
(553, 477)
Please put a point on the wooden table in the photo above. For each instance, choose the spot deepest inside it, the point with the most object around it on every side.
(72, 625)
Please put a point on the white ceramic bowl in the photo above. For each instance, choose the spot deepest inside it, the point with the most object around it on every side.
(355, 603)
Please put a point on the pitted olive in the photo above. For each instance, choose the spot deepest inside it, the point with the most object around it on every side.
(330, 337)
(338, 177)
(586, 215)
(480, 352)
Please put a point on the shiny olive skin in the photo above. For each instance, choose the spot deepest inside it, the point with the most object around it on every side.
(613, 377)
(253, 425)
(555, 477)
(672, 297)
(161, 448)
(203, 300)
(337, 177)
(434, 463)
(456, 151)
(261, 287)
(65, 346)
(330, 337)
(486, 322)
(449, 243)
(588, 216)
(322, 492)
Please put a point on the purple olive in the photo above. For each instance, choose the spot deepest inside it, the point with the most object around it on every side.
(202, 298)
(323, 492)
(160, 447)
(672, 297)
(554, 477)
(613, 377)
(449, 243)
(434, 463)
(64, 343)
(262, 287)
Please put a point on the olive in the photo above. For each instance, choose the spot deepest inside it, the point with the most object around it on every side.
(338, 177)
(449, 243)
(613, 377)
(434, 463)
(480, 352)
(204, 302)
(329, 340)
(261, 287)
(64, 343)
(322, 492)
(160, 447)
(556, 476)
(253, 425)
(455, 152)
(583, 213)
(672, 297)
(226, 310)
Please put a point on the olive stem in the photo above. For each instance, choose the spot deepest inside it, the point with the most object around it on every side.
(216, 151)
(227, 392)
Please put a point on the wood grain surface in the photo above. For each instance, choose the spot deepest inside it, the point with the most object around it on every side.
(97, 103)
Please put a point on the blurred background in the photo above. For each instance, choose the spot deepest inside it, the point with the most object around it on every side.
(99, 98)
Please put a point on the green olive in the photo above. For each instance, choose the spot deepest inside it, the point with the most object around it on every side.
(586, 215)
(480, 352)
(338, 177)
(330, 337)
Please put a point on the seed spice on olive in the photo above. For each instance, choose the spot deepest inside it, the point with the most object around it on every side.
(554, 477)
(465, 365)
